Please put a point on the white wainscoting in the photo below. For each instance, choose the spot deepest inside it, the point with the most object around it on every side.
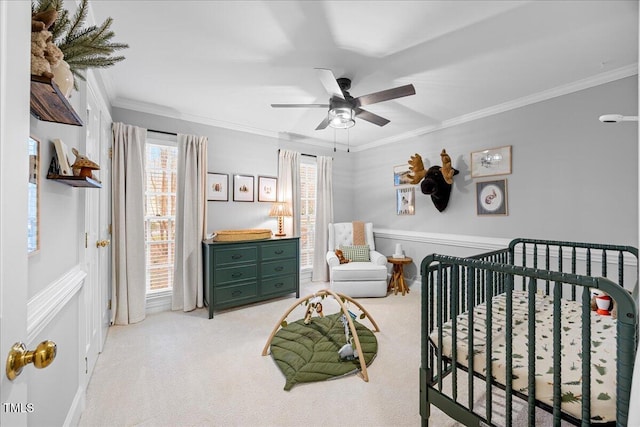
(43, 307)
(453, 240)
(158, 301)
(418, 245)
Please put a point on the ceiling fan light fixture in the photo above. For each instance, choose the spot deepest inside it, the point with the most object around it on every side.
(341, 117)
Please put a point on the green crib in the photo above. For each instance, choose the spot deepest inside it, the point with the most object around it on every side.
(509, 337)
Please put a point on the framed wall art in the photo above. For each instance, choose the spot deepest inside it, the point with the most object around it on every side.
(401, 175)
(267, 188)
(33, 209)
(217, 187)
(243, 188)
(405, 201)
(491, 197)
(494, 161)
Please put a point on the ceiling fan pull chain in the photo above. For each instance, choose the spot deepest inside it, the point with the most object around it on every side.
(348, 141)
(334, 140)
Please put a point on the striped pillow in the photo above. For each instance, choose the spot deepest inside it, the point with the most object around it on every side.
(357, 253)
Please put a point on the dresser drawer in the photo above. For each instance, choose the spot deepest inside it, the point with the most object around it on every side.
(226, 275)
(279, 250)
(235, 254)
(235, 293)
(279, 268)
(278, 284)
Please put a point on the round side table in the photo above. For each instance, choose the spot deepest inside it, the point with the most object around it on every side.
(396, 283)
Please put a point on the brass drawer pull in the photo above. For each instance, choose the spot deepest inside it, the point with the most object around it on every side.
(279, 268)
(236, 256)
(279, 285)
(279, 252)
(236, 275)
(236, 293)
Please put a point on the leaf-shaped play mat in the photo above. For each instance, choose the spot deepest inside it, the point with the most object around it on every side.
(308, 353)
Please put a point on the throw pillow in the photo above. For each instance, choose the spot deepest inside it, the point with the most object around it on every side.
(356, 253)
(341, 257)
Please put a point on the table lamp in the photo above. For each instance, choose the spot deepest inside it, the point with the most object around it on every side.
(280, 210)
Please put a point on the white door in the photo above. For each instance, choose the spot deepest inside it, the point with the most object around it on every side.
(104, 226)
(98, 240)
(14, 133)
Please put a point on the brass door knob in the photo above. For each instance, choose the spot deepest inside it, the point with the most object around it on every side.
(19, 357)
(102, 243)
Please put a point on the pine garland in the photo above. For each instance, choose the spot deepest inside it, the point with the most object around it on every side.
(83, 48)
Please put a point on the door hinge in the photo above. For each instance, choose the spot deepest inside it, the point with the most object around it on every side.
(110, 229)
(111, 152)
(86, 365)
(109, 305)
(86, 240)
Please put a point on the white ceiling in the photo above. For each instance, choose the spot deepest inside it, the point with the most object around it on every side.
(224, 62)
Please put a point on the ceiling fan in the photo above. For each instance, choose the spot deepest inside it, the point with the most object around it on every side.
(343, 108)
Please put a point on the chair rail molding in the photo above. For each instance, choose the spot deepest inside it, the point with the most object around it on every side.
(457, 240)
(484, 243)
(43, 307)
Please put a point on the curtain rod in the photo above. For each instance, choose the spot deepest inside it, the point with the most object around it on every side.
(304, 154)
(161, 131)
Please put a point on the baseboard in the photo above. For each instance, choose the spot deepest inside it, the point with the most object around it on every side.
(76, 409)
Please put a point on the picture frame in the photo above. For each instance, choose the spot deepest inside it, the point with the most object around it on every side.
(491, 197)
(405, 201)
(401, 175)
(267, 188)
(33, 206)
(217, 187)
(63, 157)
(491, 162)
(243, 188)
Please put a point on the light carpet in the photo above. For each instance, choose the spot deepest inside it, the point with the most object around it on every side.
(182, 369)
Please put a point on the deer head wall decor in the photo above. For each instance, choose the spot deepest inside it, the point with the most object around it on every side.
(436, 181)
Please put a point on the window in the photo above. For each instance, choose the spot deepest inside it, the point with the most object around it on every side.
(160, 214)
(307, 212)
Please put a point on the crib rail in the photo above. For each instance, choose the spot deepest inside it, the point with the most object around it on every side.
(452, 286)
(590, 259)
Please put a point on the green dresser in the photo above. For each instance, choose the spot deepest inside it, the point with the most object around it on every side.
(237, 273)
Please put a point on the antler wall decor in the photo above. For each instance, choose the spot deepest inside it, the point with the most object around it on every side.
(436, 181)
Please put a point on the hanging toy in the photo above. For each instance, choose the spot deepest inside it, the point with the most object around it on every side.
(315, 304)
(347, 352)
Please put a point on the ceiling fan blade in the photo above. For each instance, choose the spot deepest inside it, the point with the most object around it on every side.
(385, 95)
(329, 82)
(323, 124)
(300, 105)
(370, 117)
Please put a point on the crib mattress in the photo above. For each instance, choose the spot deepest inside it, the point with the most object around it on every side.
(603, 352)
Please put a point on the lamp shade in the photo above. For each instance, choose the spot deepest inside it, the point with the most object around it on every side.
(280, 209)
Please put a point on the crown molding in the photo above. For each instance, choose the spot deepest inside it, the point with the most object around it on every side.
(159, 110)
(589, 82)
(566, 89)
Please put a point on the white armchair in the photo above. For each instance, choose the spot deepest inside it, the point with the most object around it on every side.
(356, 279)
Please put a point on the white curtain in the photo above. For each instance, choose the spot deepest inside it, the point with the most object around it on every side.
(129, 276)
(324, 216)
(289, 188)
(190, 222)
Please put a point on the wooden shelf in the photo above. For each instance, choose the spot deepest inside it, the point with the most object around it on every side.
(49, 104)
(76, 181)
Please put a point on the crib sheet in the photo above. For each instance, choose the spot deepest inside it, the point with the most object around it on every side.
(603, 351)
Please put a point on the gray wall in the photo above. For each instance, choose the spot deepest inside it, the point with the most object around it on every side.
(573, 177)
(61, 206)
(234, 152)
